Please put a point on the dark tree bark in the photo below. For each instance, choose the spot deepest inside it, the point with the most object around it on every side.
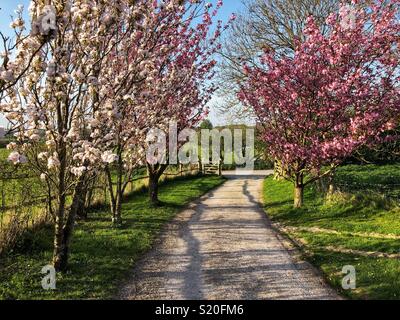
(82, 213)
(60, 258)
(331, 184)
(155, 172)
(117, 194)
(64, 227)
(115, 198)
(153, 189)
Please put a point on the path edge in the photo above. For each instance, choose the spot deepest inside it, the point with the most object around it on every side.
(120, 292)
(295, 250)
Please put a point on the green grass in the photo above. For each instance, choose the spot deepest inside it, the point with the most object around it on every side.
(370, 174)
(383, 179)
(101, 256)
(4, 153)
(361, 212)
(376, 278)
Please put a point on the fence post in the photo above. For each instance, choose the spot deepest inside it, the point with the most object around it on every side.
(3, 196)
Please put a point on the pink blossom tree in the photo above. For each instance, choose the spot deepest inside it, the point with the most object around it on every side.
(127, 113)
(183, 83)
(338, 92)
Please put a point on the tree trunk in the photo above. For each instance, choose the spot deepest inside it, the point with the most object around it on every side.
(59, 258)
(331, 189)
(117, 210)
(82, 209)
(63, 232)
(331, 186)
(85, 185)
(153, 189)
(115, 198)
(155, 172)
(319, 185)
(298, 196)
(89, 198)
(62, 246)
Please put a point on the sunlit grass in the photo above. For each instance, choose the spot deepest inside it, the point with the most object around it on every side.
(355, 217)
(101, 256)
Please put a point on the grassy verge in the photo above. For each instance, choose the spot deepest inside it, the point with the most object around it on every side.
(352, 229)
(101, 256)
(22, 196)
(384, 179)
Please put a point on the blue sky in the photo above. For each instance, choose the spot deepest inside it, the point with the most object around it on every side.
(230, 6)
(8, 7)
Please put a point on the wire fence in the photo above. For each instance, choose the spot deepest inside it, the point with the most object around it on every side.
(390, 191)
(24, 201)
(26, 189)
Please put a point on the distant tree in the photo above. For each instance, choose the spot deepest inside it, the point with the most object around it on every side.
(206, 124)
(274, 24)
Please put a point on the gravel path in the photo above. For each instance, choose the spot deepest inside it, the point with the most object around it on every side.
(223, 247)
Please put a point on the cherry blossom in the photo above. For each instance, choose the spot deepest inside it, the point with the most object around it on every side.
(157, 75)
(338, 92)
(83, 86)
(52, 104)
(16, 158)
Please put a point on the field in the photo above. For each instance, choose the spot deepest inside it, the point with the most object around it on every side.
(23, 197)
(358, 226)
(380, 179)
(101, 256)
(4, 153)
